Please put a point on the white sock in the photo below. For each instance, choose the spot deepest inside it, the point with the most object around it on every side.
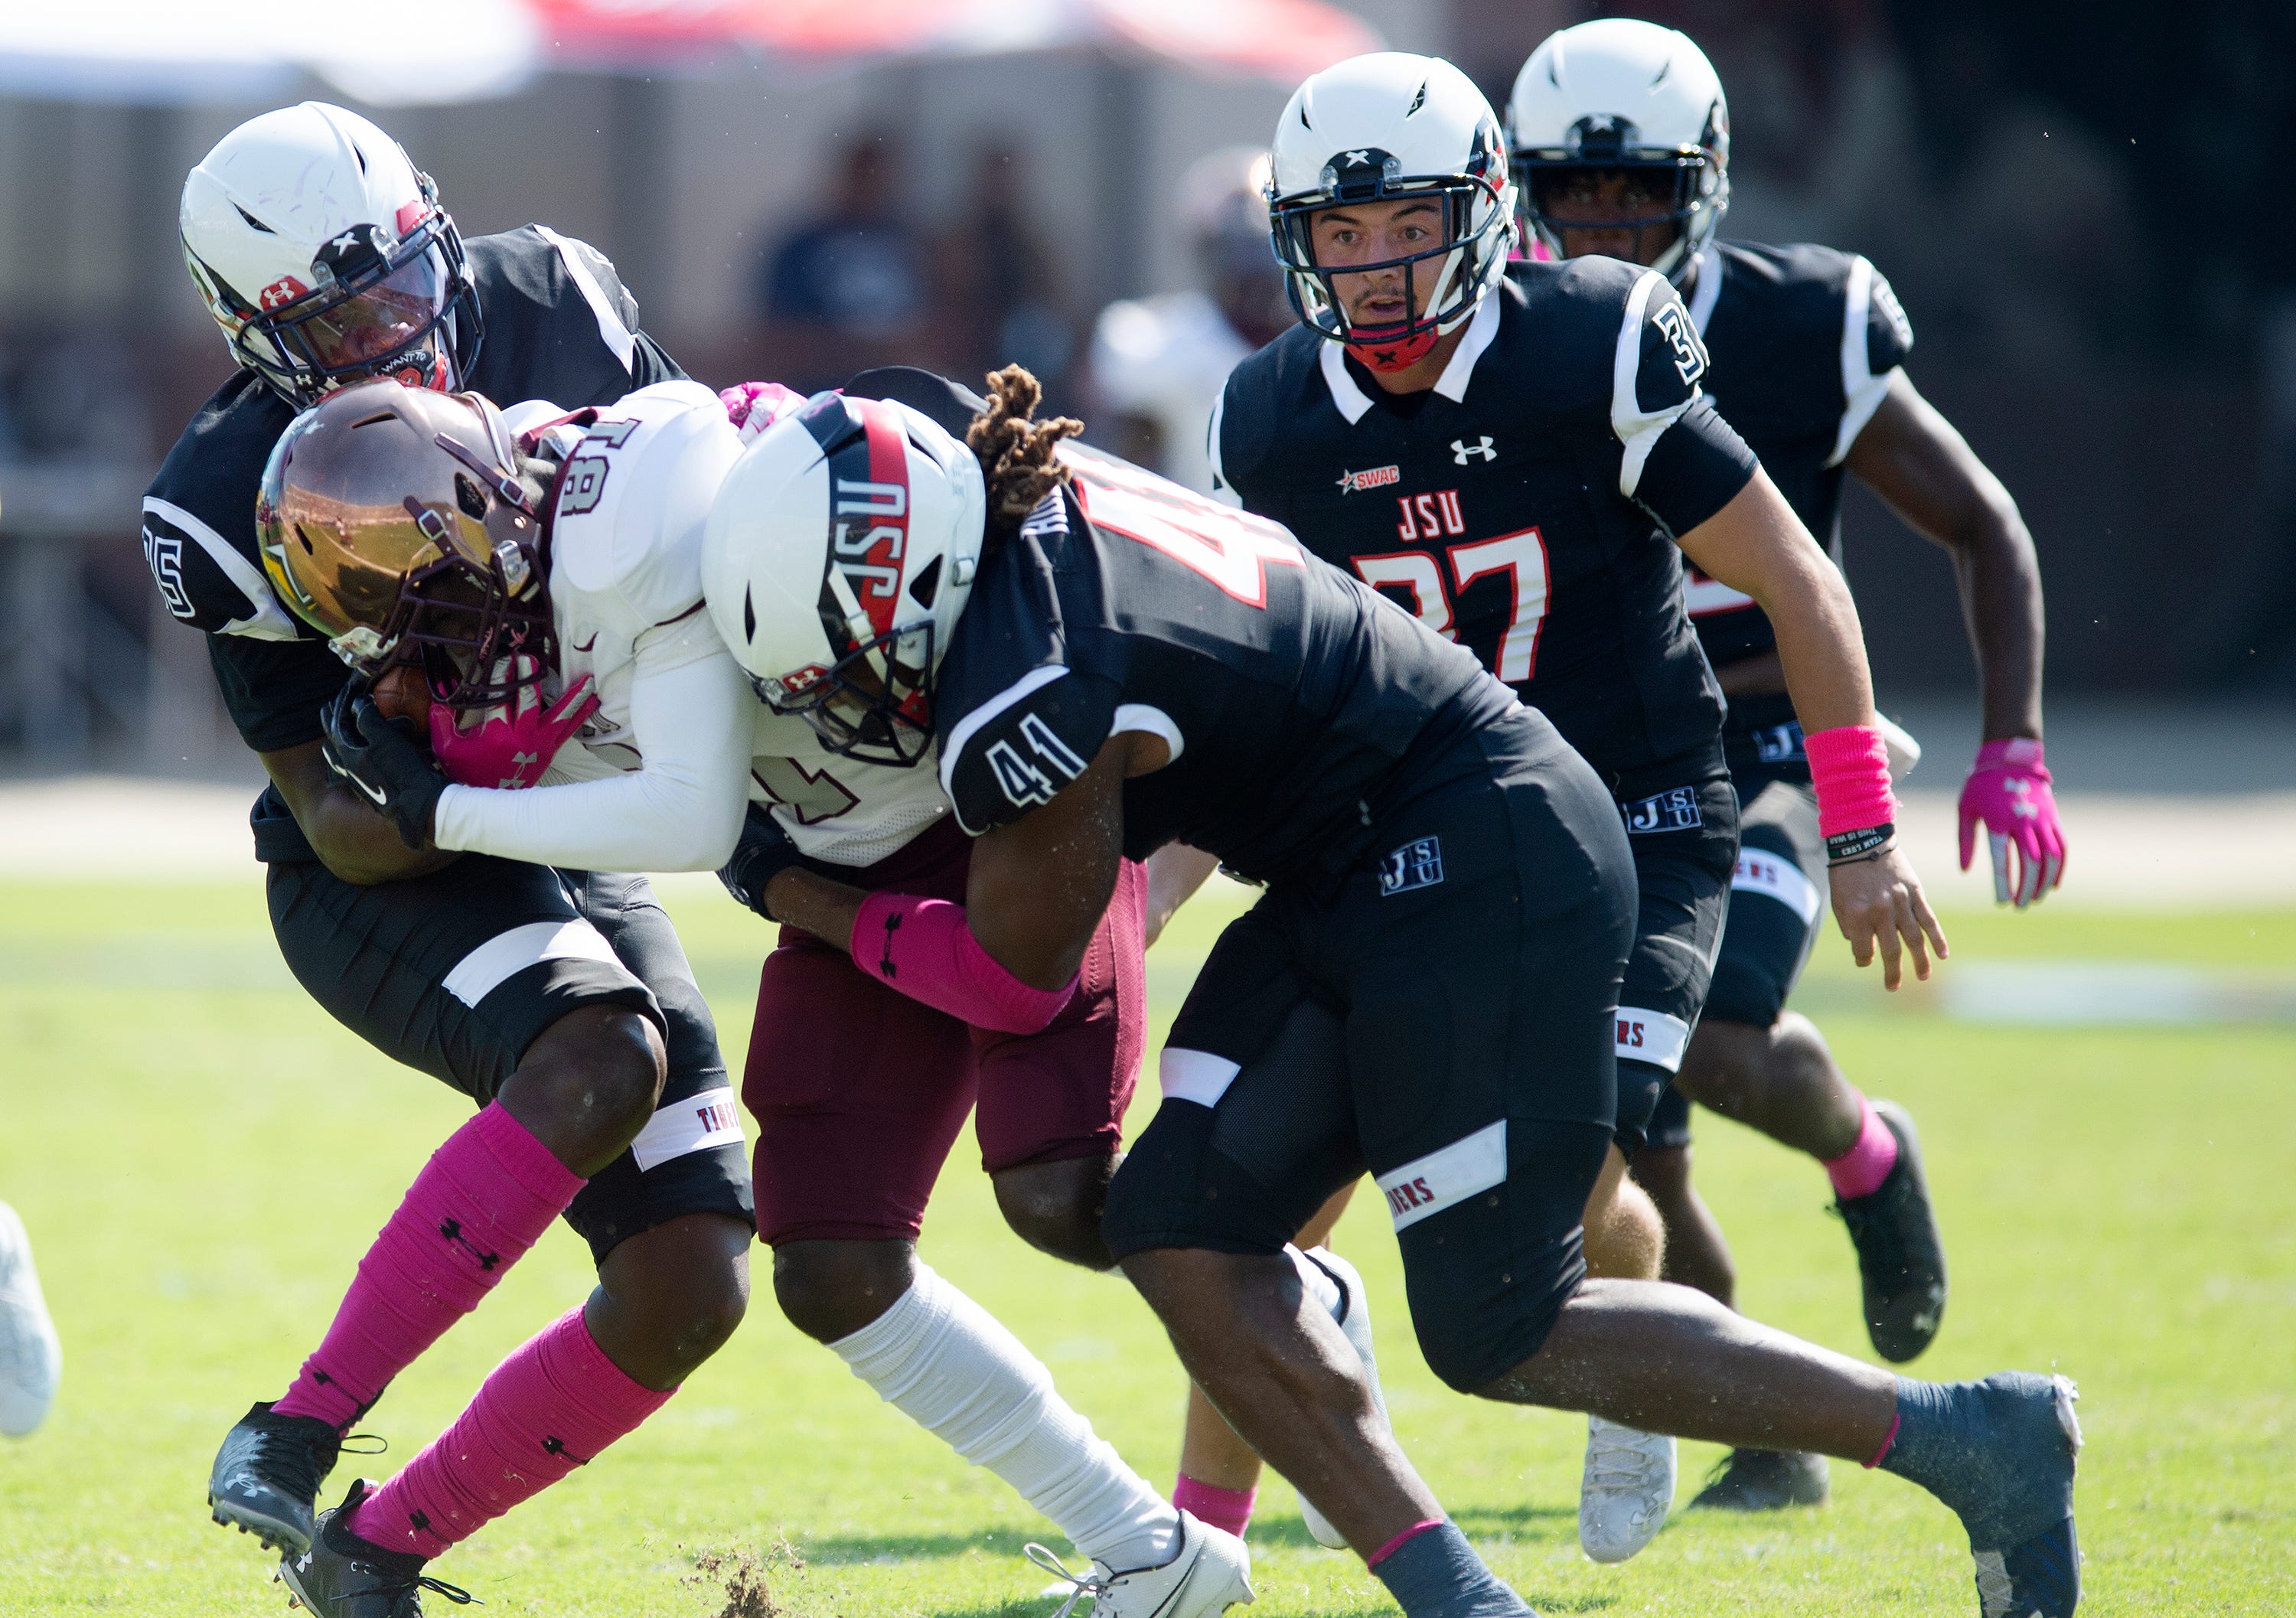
(1320, 1283)
(949, 1366)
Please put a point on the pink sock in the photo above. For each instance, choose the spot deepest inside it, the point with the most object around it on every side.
(1226, 1509)
(487, 1195)
(1860, 1170)
(552, 1406)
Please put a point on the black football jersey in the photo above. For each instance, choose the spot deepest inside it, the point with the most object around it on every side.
(559, 325)
(1526, 506)
(1804, 342)
(1297, 706)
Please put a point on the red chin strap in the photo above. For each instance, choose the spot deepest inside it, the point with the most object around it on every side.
(1387, 355)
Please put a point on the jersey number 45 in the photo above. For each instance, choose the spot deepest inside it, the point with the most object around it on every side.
(1522, 557)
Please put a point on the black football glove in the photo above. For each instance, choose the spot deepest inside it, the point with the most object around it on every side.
(382, 761)
(764, 851)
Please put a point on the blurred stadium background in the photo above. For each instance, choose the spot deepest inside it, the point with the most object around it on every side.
(2080, 209)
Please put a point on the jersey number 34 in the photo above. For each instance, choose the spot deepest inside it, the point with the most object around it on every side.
(1521, 557)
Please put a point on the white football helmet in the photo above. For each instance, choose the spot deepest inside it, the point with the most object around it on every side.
(838, 556)
(1373, 129)
(1622, 94)
(323, 255)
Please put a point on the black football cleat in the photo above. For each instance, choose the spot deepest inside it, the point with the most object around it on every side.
(266, 1478)
(1764, 1480)
(1901, 1255)
(344, 1576)
(2019, 1494)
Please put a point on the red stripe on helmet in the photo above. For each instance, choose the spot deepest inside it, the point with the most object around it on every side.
(872, 525)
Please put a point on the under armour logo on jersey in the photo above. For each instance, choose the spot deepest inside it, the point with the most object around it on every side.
(1461, 449)
(1414, 865)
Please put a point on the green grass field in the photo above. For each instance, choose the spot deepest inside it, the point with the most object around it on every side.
(201, 1155)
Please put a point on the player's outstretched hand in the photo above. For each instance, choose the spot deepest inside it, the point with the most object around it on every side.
(2008, 793)
(1878, 902)
(380, 760)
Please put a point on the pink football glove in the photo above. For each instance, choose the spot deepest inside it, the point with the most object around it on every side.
(754, 406)
(2008, 789)
(509, 749)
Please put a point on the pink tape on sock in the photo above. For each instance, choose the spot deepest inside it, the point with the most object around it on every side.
(1860, 1170)
(1228, 1510)
(924, 947)
(487, 1195)
(1850, 767)
(1889, 1439)
(1401, 1539)
(552, 1406)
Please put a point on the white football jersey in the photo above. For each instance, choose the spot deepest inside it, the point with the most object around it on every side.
(626, 572)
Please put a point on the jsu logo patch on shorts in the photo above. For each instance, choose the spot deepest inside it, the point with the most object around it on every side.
(1675, 809)
(1414, 865)
(1779, 744)
(1426, 1185)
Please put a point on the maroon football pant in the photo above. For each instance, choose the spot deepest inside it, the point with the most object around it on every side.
(859, 1091)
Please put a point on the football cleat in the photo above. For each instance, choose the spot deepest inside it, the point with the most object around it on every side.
(1625, 1492)
(1210, 1572)
(1901, 1255)
(1764, 1480)
(31, 1359)
(1354, 1320)
(344, 1576)
(266, 1476)
(2019, 1508)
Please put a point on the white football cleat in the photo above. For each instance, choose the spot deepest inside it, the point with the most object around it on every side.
(31, 1359)
(1626, 1491)
(1356, 1324)
(1210, 1572)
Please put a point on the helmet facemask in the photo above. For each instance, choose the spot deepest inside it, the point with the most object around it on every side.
(1693, 176)
(1476, 208)
(406, 310)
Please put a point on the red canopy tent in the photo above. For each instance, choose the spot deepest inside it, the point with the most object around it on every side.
(1283, 40)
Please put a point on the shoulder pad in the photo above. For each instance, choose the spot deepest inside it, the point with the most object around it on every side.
(950, 404)
(627, 517)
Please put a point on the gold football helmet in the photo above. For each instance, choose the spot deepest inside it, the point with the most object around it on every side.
(393, 521)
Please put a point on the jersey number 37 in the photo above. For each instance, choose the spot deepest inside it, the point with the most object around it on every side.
(1520, 558)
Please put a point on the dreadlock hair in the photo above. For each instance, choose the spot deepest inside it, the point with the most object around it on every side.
(1015, 452)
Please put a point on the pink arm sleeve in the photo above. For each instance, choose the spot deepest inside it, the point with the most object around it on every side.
(924, 949)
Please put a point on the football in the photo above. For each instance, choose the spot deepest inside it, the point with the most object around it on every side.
(400, 693)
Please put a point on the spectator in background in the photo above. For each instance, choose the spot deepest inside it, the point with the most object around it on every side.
(1001, 293)
(1159, 363)
(849, 288)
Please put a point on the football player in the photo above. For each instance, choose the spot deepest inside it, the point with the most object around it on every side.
(1515, 462)
(653, 743)
(559, 1001)
(1158, 364)
(1620, 134)
(1130, 664)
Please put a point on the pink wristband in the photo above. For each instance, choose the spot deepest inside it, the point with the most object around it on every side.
(1849, 766)
(924, 949)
